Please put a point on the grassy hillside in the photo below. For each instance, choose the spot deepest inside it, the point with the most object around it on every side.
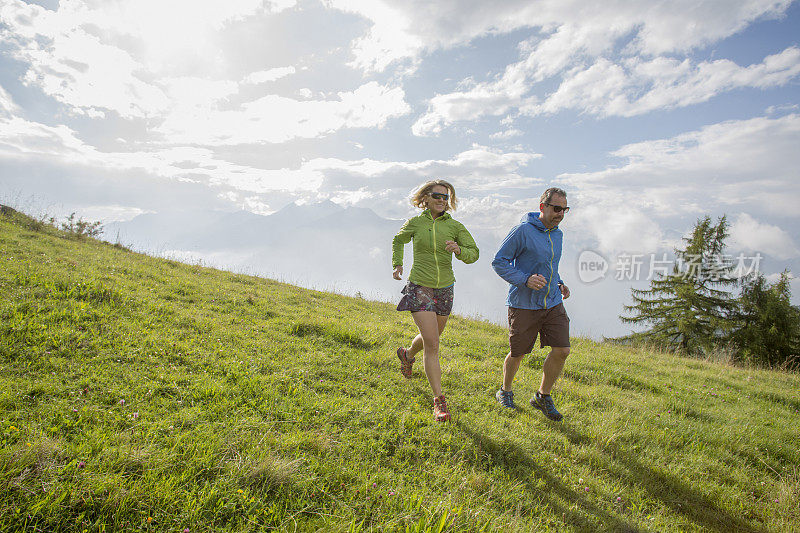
(143, 394)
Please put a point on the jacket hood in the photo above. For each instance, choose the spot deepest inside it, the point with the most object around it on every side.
(533, 219)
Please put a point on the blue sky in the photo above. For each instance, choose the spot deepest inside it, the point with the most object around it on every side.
(650, 114)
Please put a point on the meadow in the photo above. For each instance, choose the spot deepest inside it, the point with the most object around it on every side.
(143, 394)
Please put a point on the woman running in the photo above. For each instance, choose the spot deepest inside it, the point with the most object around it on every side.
(429, 291)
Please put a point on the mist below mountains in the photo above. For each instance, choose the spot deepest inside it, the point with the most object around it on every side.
(322, 246)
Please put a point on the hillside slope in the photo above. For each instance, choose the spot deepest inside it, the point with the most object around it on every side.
(145, 394)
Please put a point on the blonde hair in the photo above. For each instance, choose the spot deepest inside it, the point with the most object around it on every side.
(418, 198)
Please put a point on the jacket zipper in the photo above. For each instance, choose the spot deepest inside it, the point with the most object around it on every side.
(435, 259)
(552, 256)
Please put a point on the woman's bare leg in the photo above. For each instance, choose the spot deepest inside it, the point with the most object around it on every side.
(430, 327)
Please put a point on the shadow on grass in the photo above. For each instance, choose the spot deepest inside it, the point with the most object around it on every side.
(678, 496)
(779, 399)
(422, 392)
(557, 496)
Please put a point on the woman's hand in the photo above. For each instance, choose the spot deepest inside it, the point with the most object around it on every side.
(452, 246)
(398, 272)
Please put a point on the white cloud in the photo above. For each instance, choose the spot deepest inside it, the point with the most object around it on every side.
(483, 100)
(606, 88)
(630, 230)
(109, 213)
(488, 183)
(277, 119)
(506, 134)
(272, 74)
(194, 92)
(719, 165)
(77, 69)
(475, 170)
(389, 39)
(750, 235)
(495, 212)
(403, 30)
(100, 56)
(638, 86)
(480, 167)
(22, 139)
(712, 170)
(612, 59)
(775, 109)
(7, 105)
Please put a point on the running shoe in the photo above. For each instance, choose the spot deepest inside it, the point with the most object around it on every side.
(440, 411)
(544, 403)
(405, 362)
(506, 398)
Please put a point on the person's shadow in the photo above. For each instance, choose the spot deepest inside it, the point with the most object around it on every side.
(556, 495)
(673, 493)
(676, 495)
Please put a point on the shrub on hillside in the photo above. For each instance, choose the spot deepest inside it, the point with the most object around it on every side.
(81, 228)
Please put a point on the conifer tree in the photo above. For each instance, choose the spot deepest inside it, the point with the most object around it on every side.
(687, 309)
(767, 325)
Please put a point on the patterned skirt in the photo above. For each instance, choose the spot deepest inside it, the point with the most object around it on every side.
(419, 298)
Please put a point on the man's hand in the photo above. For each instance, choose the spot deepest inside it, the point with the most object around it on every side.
(536, 282)
(452, 246)
(564, 291)
(398, 272)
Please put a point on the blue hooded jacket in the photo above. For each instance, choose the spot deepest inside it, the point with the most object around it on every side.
(530, 249)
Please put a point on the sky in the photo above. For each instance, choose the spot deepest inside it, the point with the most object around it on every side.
(649, 114)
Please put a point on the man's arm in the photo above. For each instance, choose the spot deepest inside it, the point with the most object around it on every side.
(504, 258)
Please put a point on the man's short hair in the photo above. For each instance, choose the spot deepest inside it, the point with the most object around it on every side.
(549, 193)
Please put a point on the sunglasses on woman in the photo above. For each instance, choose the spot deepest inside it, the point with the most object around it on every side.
(440, 196)
(558, 208)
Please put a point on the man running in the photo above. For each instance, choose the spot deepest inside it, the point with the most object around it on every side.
(528, 261)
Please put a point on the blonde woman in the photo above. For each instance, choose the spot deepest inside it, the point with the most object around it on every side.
(429, 291)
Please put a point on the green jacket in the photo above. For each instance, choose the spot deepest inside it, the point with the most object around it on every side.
(433, 265)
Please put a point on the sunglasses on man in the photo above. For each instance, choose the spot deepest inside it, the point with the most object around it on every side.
(440, 196)
(558, 208)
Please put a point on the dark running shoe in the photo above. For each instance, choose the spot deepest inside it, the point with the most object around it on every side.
(506, 398)
(544, 403)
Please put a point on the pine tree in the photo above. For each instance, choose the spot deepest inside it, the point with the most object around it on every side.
(767, 325)
(687, 310)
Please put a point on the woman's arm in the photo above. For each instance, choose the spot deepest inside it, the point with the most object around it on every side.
(469, 250)
(402, 238)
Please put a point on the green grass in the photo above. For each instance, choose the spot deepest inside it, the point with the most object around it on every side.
(144, 394)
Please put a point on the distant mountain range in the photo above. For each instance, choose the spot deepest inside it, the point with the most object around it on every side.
(205, 231)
